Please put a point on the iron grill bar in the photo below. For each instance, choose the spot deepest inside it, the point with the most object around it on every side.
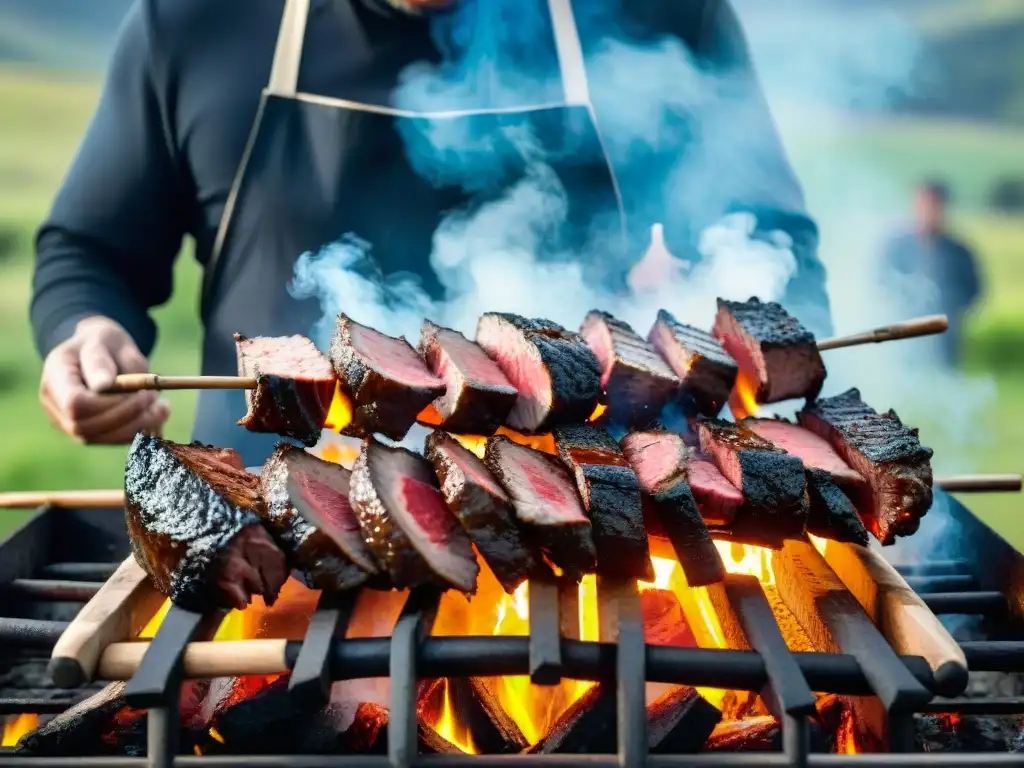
(311, 675)
(414, 623)
(545, 631)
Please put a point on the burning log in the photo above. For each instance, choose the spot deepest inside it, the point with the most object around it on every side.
(77, 731)
(476, 708)
(752, 734)
(680, 722)
(664, 620)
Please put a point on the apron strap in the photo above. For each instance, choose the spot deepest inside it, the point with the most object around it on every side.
(570, 53)
(284, 74)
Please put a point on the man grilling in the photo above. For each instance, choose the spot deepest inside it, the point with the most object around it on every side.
(266, 129)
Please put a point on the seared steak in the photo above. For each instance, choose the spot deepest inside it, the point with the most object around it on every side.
(545, 503)
(832, 514)
(294, 386)
(410, 531)
(813, 450)
(484, 511)
(387, 383)
(887, 453)
(193, 519)
(636, 381)
(310, 516)
(611, 493)
(775, 353)
(477, 397)
(556, 374)
(772, 481)
(705, 368)
(718, 500)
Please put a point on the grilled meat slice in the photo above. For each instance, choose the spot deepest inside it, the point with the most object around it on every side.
(410, 531)
(545, 503)
(883, 450)
(556, 374)
(775, 353)
(478, 397)
(772, 481)
(310, 516)
(611, 494)
(660, 460)
(707, 371)
(193, 518)
(387, 383)
(832, 514)
(717, 499)
(813, 450)
(294, 386)
(636, 381)
(484, 511)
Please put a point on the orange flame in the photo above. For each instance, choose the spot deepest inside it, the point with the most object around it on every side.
(449, 728)
(339, 453)
(17, 727)
(743, 400)
(339, 415)
(846, 741)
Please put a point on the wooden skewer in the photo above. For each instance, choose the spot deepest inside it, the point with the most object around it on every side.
(919, 326)
(978, 483)
(230, 658)
(134, 382)
(69, 499)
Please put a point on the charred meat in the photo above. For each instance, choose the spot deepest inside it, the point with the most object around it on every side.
(611, 494)
(556, 374)
(832, 514)
(813, 450)
(194, 519)
(717, 499)
(386, 382)
(478, 397)
(705, 368)
(410, 530)
(545, 502)
(637, 382)
(483, 508)
(775, 353)
(294, 386)
(883, 450)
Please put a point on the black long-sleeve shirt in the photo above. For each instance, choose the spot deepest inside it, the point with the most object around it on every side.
(182, 91)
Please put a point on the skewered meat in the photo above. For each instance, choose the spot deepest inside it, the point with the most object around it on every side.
(556, 374)
(545, 503)
(832, 514)
(775, 353)
(813, 450)
(483, 509)
(707, 371)
(636, 381)
(294, 386)
(478, 397)
(611, 494)
(660, 460)
(883, 450)
(387, 383)
(410, 531)
(310, 516)
(772, 481)
(717, 499)
(193, 517)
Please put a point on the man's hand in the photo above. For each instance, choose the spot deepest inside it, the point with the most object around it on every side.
(75, 371)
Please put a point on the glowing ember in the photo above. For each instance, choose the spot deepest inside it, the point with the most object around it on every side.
(846, 743)
(743, 400)
(340, 414)
(598, 412)
(17, 727)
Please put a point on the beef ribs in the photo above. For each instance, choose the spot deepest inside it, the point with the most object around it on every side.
(813, 450)
(832, 514)
(295, 384)
(556, 374)
(772, 481)
(484, 510)
(385, 380)
(775, 353)
(611, 494)
(883, 450)
(478, 397)
(637, 382)
(194, 521)
(308, 512)
(707, 371)
(545, 502)
(661, 461)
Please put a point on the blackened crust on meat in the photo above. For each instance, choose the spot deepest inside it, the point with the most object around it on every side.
(637, 382)
(676, 511)
(832, 514)
(556, 374)
(546, 504)
(484, 510)
(294, 386)
(771, 348)
(193, 519)
(886, 452)
(707, 371)
(611, 493)
(386, 381)
(314, 554)
(478, 397)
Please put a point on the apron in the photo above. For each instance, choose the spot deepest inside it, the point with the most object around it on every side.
(316, 169)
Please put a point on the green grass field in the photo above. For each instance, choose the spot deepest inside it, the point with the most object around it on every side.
(41, 120)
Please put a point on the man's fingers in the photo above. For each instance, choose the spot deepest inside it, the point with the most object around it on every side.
(151, 422)
(130, 360)
(98, 365)
(124, 411)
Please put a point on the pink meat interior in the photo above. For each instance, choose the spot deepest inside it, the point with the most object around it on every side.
(717, 498)
(474, 363)
(656, 457)
(520, 361)
(392, 357)
(333, 506)
(724, 456)
(472, 467)
(542, 492)
(599, 338)
(812, 450)
(743, 349)
(429, 508)
(293, 357)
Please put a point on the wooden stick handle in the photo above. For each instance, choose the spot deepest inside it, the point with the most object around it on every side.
(73, 499)
(228, 658)
(978, 483)
(135, 382)
(919, 326)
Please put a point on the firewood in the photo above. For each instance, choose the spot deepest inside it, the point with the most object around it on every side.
(680, 722)
(76, 731)
(477, 708)
(752, 734)
(368, 734)
(664, 620)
